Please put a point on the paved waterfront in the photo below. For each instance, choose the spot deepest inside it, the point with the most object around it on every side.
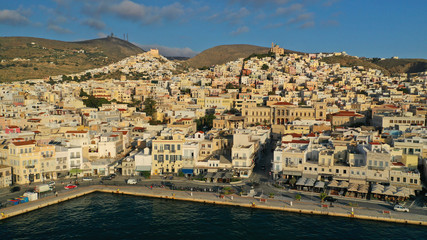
(277, 203)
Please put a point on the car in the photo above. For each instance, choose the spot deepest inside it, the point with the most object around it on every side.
(113, 175)
(51, 184)
(15, 189)
(87, 179)
(132, 181)
(70, 186)
(106, 178)
(400, 208)
(330, 199)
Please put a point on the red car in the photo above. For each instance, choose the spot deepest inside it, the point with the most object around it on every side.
(70, 186)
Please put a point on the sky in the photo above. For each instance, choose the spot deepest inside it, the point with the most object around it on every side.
(368, 28)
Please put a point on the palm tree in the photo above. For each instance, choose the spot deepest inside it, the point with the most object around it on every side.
(323, 196)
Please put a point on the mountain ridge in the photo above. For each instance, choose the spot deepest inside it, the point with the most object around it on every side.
(30, 57)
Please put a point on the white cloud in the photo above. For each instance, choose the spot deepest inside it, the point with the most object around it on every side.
(58, 29)
(94, 23)
(307, 25)
(170, 51)
(101, 35)
(146, 14)
(240, 30)
(291, 9)
(301, 18)
(12, 17)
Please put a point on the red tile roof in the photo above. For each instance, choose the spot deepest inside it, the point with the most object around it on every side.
(283, 104)
(30, 142)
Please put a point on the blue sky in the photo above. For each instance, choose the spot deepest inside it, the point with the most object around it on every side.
(371, 28)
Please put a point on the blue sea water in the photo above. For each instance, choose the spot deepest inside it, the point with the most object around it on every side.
(106, 216)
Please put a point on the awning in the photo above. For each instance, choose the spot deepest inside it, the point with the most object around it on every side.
(142, 168)
(301, 181)
(352, 187)
(319, 184)
(333, 183)
(75, 171)
(292, 173)
(343, 184)
(187, 171)
(209, 175)
(310, 182)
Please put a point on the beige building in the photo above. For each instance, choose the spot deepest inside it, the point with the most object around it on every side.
(5, 176)
(167, 154)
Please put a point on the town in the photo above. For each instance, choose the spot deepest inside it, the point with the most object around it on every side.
(290, 121)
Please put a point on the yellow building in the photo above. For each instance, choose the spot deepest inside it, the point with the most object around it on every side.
(167, 154)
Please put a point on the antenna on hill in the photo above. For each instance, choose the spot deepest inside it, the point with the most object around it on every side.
(127, 37)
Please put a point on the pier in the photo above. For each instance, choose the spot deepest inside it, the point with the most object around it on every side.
(217, 199)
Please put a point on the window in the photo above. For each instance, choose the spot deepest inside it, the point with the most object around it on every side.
(392, 178)
(344, 171)
(415, 181)
(404, 179)
(337, 171)
(411, 180)
(398, 179)
(375, 163)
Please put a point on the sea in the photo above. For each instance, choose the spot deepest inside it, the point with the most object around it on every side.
(108, 216)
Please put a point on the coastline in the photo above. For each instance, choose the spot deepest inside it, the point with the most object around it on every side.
(211, 198)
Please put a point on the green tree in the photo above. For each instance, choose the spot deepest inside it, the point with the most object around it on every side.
(94, 102)
(205, 123)
(264, 67)
(298, 197)
(149, 106)
(323, 196)
(230, 86)
(292, 181)
(83, 93)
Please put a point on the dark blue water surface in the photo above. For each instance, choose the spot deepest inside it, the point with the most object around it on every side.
(106, 216)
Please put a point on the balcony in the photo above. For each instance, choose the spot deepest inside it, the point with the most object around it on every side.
(30, 166)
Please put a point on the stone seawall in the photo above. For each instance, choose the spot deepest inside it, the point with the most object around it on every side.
(207, 198)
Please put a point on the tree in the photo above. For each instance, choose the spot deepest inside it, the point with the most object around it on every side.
(83, 93)
(298, 197)
(292, 181)
(205, 123)
(323, 196)
(264, 67)
(230, 86)
(149, 106)
(94, 102)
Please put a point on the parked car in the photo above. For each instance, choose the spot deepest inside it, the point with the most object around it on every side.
(87, 179)
(131, 181)
(330, 199)
(70, 186)
(113, 175)
(51, 184)
(15, 189)
(106, 178)
(400, 208)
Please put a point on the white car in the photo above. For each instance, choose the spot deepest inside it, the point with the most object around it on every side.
(132, 181)
(87, 179)
(51, 184)
(400, 208)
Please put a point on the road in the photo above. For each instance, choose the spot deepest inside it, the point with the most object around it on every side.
(260, 180)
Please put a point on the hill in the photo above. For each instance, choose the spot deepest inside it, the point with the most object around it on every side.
(30, 58)
(388, 66)
(402, 65)
(224, 53)
(350, 61)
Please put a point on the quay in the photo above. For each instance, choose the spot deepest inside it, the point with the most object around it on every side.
(216, 199)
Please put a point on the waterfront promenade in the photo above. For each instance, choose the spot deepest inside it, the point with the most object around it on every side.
(305, 207)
